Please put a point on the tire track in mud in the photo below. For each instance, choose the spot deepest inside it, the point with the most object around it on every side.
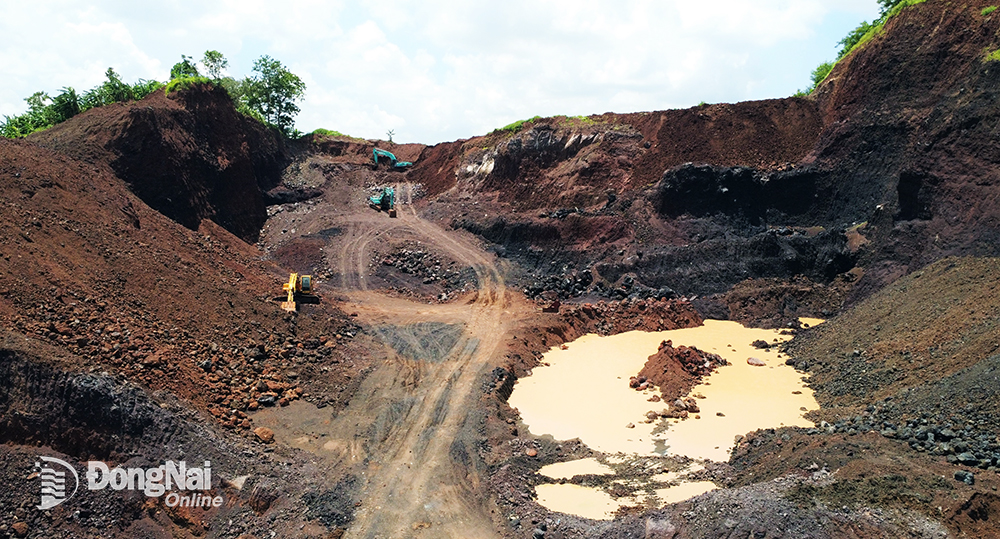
(408, 417)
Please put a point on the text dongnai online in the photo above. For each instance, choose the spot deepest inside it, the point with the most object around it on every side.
(155, 482)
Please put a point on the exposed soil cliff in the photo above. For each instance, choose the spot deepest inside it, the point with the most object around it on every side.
(889, 166)
(189, 155)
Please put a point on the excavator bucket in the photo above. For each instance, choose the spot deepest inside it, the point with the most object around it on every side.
(289, 306)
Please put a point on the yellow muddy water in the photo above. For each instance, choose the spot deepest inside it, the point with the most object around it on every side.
(584, 393)
(586, 502)
(566, 470)
(684, 491)
(594, 503)
(810, 322)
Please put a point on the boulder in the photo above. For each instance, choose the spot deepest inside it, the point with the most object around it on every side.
(265, 434)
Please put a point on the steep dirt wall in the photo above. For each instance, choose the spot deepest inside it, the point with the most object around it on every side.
(559, 161)
(190, 155)
(909, 144)
(764, 134)
(436, 167)
(896, 150)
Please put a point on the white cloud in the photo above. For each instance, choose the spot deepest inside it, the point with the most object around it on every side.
(440, 70)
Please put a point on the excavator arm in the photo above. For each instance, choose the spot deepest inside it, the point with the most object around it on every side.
(290, 287)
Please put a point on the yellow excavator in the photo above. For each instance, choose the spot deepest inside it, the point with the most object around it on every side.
(298, 287)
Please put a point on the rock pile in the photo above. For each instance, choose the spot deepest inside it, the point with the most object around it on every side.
(430, 268)
(676, 371)
(963, 446)
(228, 376)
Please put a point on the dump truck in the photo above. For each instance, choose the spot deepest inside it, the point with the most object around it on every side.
(388, 157)
(384, 200)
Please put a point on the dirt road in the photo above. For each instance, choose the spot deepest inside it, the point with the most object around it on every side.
(410, 430)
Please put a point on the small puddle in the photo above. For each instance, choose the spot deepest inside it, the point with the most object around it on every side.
(584, 393)
(810, 322)
(684, 491)
(586, 502)
(568, 470)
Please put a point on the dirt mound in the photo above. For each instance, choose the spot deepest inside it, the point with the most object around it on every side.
(75, 417)
(917, 363)
(190, 155)
(921, 329)
(97, 273)
(675, 371)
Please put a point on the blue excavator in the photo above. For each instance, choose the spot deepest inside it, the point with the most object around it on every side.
(388, 157)
(384, 200)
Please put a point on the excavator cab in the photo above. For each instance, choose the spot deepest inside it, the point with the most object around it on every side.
(385, 201)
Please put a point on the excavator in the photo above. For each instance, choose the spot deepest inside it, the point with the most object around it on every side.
(299, 288)
(388, 156)
(385, 201)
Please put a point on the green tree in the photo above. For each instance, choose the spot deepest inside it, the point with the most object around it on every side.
(65, 105)
(45, 111)
(819, 74)
(113, 90)
(214, 63)
(272, 92)
(184, 68)
(853, 38)
(887, 5)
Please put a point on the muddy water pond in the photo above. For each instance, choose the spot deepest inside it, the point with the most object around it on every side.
(583, 392)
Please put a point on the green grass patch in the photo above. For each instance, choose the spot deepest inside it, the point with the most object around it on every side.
(183, 83)
(585, 120)
(331, 133)
(901, 6)
(516, 126)
(328, 133)
(993, 56)
(987, 10)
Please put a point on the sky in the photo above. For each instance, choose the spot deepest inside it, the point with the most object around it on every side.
(440, 70)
